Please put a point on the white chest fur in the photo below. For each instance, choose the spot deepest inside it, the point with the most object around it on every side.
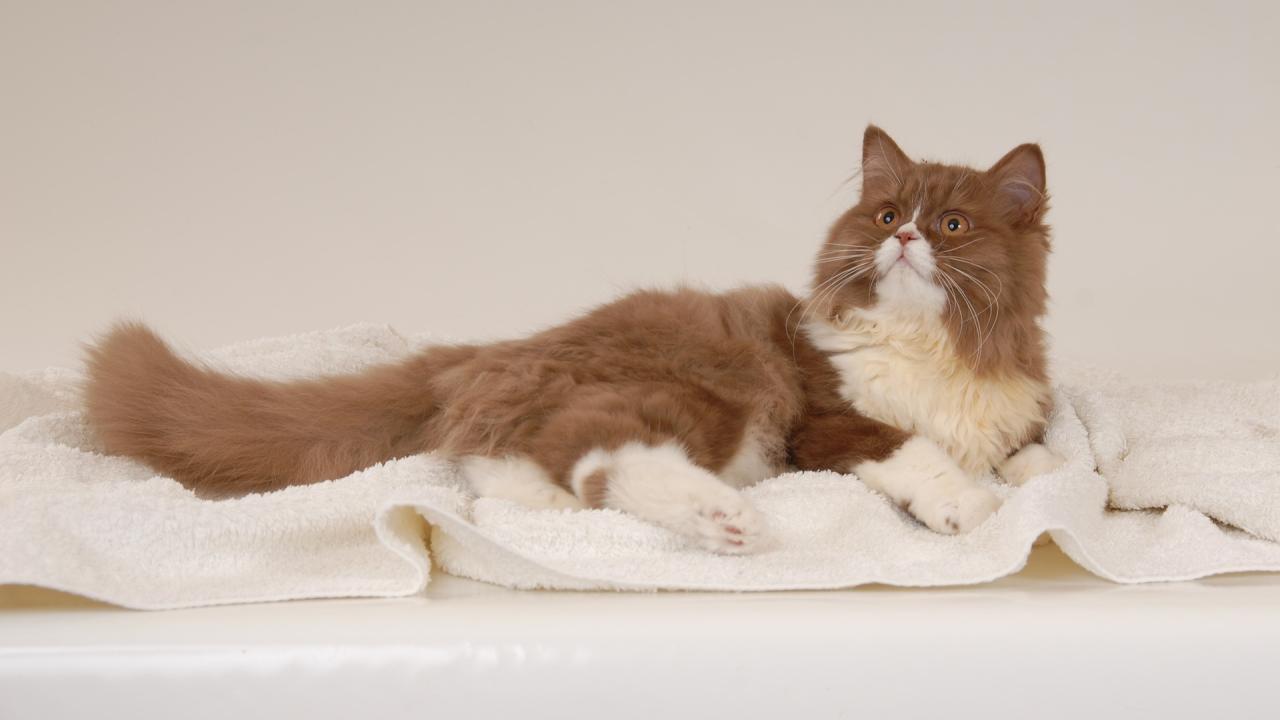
(903, 371)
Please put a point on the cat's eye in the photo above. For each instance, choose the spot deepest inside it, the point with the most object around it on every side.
(954, 224)
(887, 215)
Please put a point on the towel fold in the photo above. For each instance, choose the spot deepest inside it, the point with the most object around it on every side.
(1162, 482)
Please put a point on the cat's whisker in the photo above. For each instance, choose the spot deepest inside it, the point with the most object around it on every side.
(995, 318)
(828, 284)
(844, 253)
(808, 301)
(973, 312)
(971, 263)
(959, 295)
(1000, 286)
(836, 277)
(849, 246)
(993, 306)
(949, 287)
(833, 286)
(841, 279)
(871, 237)
(834, 258)
(948, 252)
(849, 280)
(808, 304)
(991, 297)
(847, 251)
(990, 310)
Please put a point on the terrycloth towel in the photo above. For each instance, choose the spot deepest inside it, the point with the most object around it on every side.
(1162, 482)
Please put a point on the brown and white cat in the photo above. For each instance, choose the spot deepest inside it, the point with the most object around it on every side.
(916, 362)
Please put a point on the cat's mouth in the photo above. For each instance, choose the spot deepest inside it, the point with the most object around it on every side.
(910, 264)
(904, 261)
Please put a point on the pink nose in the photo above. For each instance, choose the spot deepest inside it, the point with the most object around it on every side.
(906, 236)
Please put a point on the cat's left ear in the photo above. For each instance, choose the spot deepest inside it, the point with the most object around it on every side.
(883, 162)
(1020, 183)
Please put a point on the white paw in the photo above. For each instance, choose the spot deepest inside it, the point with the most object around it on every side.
(519, 480)
(660, 484)
(926, 482)
(954, 512)
(1031, 461)
(730, 528)
(555, 498)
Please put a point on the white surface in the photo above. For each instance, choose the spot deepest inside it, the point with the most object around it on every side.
(239, 169)
(1051, 642)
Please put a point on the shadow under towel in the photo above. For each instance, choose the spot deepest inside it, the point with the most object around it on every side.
(1162, 482)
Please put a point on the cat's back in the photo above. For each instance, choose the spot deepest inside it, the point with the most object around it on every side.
(744, 312)
(679, 335)
(711, 328)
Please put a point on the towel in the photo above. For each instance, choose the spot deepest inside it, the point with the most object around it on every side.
(1162, 482)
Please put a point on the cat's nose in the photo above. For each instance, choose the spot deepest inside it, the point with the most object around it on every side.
(906, 236)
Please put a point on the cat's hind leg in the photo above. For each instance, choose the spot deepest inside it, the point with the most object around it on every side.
(518, 479)
(649, 450)
(659, 483)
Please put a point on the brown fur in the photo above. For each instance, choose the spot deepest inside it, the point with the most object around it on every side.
(223, 434)
(687, 366)
(698, 368)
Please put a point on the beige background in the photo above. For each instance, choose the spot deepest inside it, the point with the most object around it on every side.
(228, 170)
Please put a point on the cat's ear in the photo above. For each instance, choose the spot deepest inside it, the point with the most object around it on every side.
(883, 162)
(1019, 184)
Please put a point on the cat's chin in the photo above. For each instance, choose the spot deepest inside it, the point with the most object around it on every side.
(903, 264)
(903, 289)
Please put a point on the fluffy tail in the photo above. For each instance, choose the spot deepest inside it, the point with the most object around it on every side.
(222, 435)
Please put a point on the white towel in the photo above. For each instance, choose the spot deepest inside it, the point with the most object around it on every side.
(1186, 469)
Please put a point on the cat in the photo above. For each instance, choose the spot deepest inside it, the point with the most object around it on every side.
(916, 362)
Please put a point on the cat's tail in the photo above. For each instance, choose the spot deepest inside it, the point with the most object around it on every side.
(221, 434)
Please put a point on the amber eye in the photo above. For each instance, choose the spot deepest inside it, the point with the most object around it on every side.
(954, 224)
(886, 216)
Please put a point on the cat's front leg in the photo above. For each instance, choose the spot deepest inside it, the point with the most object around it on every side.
(1031, 461)
(913, 471)
(925, 481)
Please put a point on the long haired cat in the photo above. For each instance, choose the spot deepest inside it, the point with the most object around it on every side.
(916, 361)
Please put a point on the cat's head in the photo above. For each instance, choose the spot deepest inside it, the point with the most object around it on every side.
(966, 246)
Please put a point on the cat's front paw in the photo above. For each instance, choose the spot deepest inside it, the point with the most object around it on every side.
(926, 482)
(950, 512)
(1031, 461)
